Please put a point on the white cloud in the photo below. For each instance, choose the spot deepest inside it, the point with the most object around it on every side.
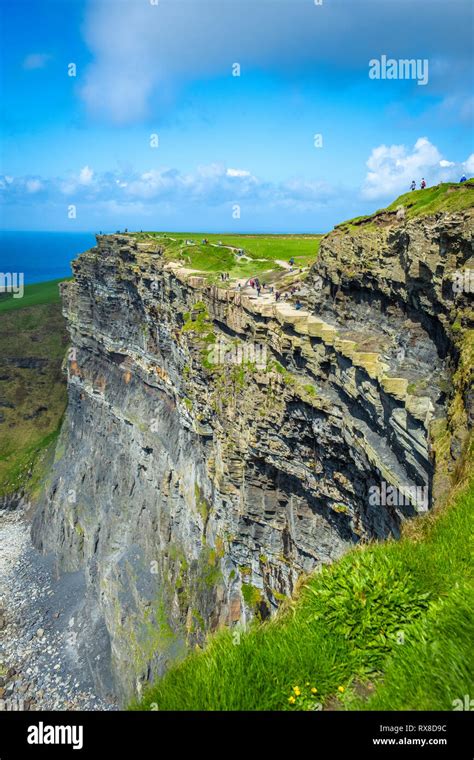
(211, 185)
(33, 185)
(237, 173)
(469, 165)
(85, 175)
(36, 61)
(71, 184)
(393, 167)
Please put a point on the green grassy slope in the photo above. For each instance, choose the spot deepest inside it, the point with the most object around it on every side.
(34, 295)
(387, 627)
(33, 341)
(448, 197)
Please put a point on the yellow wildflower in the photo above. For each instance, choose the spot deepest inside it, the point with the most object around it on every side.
(297, 690)
(314, 690)
(341, 689)
(291, 700)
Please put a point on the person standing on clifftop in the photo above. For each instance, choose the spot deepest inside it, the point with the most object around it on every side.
(423, 184)
(413, 185)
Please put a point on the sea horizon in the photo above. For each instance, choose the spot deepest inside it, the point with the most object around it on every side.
(42, 255)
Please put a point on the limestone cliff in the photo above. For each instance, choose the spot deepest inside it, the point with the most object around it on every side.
(195, 487)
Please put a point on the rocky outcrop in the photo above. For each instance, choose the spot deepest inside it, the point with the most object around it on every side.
(218, 445)
(411, 278)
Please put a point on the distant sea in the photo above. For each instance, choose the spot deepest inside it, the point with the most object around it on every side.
(42, 255)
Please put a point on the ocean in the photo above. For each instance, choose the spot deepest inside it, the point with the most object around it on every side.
(41, 256)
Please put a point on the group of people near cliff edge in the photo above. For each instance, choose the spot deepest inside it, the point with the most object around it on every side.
(255, 283)
(423, 183)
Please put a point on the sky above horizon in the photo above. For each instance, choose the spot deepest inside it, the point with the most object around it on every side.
(156, 131)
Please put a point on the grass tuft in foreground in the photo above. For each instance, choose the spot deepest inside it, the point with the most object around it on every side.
(387, 627)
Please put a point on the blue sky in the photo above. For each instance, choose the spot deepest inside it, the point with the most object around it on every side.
(166, 69)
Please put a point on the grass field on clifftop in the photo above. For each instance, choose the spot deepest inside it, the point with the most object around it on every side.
(33, 341)
(262, 254)
(447, 197)
(388, 627)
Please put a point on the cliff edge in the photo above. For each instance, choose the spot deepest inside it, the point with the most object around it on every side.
(218, 444)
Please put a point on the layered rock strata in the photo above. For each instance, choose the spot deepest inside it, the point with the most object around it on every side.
(218, 445)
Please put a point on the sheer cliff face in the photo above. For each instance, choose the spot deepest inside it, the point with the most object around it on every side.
(217, 446)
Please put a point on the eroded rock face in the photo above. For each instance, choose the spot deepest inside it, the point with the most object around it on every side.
(195, 492)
